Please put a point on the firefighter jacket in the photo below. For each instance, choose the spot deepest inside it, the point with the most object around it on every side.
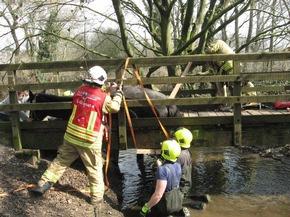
(85, 127)
(220, 47)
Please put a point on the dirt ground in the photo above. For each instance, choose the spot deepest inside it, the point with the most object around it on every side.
(68, 198)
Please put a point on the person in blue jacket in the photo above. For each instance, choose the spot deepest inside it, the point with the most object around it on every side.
(167, 198)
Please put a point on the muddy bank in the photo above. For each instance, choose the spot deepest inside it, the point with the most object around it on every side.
(68, 198)
(241, 183)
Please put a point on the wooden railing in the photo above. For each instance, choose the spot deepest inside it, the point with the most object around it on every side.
(236, 78)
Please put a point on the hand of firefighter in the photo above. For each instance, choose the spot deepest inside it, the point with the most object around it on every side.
(159, 162)
(144, 211)
(114, 89)
(119, 89)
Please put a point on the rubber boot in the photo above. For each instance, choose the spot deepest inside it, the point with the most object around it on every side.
(182, 213)
(186, 212)
(203, 198)
(198, 205)
(41, 188)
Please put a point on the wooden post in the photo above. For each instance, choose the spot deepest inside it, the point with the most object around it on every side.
(56, 75)
(237, 108)
(16, 136)
(122, 123)
(122, 129)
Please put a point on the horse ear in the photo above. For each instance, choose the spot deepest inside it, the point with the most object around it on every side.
(31, 96)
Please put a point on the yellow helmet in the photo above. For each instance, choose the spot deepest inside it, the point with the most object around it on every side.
(170, 150)
(183, 136)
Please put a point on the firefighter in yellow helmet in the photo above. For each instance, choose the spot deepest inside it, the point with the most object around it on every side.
(184, 137)
(167, 198)
(84, 134)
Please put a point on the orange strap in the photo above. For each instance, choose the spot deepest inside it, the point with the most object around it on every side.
(136, 72)
(108, 154)
(130, 122)
(127, 109)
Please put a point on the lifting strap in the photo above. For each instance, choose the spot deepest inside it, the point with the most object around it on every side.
(138, 77)
(126, 107)
(108, 132)
(108, 154)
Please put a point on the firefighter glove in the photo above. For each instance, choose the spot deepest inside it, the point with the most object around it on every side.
(145, 210)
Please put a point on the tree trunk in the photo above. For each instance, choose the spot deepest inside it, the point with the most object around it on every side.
(251, 21)
(122, 25)
(237, 32)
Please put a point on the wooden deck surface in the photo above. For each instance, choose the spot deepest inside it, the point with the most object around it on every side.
(248, 112)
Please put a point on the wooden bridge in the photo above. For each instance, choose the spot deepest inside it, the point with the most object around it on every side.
(239, 127)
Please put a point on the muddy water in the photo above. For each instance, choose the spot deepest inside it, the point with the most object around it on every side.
(240, 184)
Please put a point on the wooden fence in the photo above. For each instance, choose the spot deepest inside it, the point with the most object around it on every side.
(236, 100)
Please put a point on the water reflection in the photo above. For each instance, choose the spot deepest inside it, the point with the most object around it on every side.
(216, 170)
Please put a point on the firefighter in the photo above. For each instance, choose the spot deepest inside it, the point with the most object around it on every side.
(220, 67)
(220, 47)
(167, 198)
(84, 134)
(184, 137)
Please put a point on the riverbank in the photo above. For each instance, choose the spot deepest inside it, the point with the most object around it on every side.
(68, 198)
(246, 206)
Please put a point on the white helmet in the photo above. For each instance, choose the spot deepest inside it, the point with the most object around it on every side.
(97, 75)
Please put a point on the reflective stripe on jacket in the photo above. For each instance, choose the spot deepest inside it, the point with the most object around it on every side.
(85, 121)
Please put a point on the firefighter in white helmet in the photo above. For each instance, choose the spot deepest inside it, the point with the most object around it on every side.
(84, 134)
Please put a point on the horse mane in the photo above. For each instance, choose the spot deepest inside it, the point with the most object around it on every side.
(43, 97)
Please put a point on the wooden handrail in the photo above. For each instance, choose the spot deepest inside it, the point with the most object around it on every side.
(144, 103)
(79, 65)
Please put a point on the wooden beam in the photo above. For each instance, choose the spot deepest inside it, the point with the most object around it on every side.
(210, 100)
(143, 62)
(237, 134)
(212, 78)
(5, 125)
(164, 80)
(122, 129)
(14, 115)
(178, 85)
(148, 151)
(144, 103)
